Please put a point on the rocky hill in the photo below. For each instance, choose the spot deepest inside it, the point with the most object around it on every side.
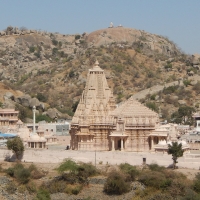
(50, 69)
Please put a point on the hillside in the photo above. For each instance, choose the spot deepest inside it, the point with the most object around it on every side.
(52, 67)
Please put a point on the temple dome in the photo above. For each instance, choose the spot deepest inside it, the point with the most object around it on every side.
(133, 108)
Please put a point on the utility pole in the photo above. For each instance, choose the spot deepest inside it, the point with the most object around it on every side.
(95, 158)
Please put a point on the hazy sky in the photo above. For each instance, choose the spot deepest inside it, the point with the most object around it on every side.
(176, 19)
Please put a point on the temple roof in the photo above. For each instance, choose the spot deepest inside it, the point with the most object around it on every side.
(97, 98)
(131, 108)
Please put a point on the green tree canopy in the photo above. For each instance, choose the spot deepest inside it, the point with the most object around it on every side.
(176, 150)
(16, 145)
(183, 115)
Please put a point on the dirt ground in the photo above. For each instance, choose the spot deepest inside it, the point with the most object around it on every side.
(190, 173)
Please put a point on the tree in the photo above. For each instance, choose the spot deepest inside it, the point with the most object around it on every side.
(74, 106)
(183, 115)
(16, 145)
(176, 150)
(23, 112)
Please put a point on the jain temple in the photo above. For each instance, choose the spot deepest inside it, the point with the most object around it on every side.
(99, 124)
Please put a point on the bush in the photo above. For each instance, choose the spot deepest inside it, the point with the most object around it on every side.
(22, 189)
(196, 184)
(42, 118)
(159, 196)
(130, 170)
(54, 42)
(190, 195)
(186, 82)
(178, 188)
(152, 106)
(68, 165)
(31, 187)
(115, 184)
(71, 74)
(22, 175)
(41, 97)
(154, 179)
(35, 173)
(42, 195)
(11, 188)
(32, 49)
(156, 167)
(87, 169)
(196, 87)
(77, 37)
(55, 186)
(10, 171)
(170, 89)
(77, 189)
(73, 189)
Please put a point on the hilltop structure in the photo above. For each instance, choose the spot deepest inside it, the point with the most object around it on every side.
(99, 125)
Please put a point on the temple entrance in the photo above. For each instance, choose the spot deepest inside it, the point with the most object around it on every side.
(119, 144)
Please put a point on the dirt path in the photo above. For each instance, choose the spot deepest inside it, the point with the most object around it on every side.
(157, 88)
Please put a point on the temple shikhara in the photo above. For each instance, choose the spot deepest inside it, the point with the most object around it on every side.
(98, 124)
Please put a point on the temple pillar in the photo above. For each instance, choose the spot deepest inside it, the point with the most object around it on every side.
(152, 143)
(122, 144)
(113, 144)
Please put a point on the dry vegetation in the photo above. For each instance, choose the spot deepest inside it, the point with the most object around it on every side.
(72, 180)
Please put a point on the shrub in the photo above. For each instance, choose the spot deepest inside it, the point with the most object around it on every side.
(57, 186)
(186, 82)
(32, 49)
(42, 118)
(177, 188)
(88, 169)
(41, 97)
(22, 175)
(190, 195)
(170, 89)
(153, 97)
(130, 170)
(77, 37)
(118, 68)
(10, 171)
(115, 184)
(196, 184)
(154, 179)
(152, 106)
(68, 165)
(31, 187)
(43, 194)
(22, 189)
(77, 189)
(159, 195)
(73, 189)
(71, 74)
(11, 188)
(156, 167)
(168, 66)
(196, 87)
(54, 42)
(35, 173)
